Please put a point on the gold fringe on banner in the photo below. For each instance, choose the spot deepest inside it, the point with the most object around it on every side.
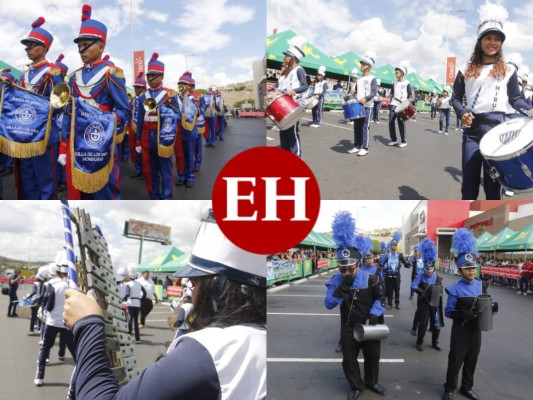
(201, 130)
(188, 125)
(25, 150)
(120, 136)
(90, 182)
(163, 151)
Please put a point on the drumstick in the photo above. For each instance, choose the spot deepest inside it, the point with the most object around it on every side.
(526, 112)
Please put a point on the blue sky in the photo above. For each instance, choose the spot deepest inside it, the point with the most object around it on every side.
(220, 38)
(402, 30)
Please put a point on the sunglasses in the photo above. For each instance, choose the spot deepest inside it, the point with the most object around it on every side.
(32, 45)
(350, 269)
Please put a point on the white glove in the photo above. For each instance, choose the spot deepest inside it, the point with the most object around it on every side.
(138, 149)
(62, 159)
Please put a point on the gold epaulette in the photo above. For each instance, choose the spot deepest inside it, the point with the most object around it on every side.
(54, 71)
(119, 73)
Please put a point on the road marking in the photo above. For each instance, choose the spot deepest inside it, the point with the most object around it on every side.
(156, 320)
(329, 360)
(315, 314)
(295, 295)
(326, 123)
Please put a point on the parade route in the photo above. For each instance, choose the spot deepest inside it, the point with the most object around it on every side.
(241, 134)
(428, 168)
(20, 352)
(303, 334)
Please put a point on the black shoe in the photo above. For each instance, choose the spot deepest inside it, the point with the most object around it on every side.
(469, 393)
(388, 306)
(179, 182)
(411, 297)
(136, 175)
(377, 388)
(196, 169)
(189, 184)
(397, 306)
(14, 315)
(447, 396)
(9, 315)
(413, 331)
(221, 139)
(338, 349)
(419, 347)
(354, 394)
(436, 346)
(61, 188)
(124, 159)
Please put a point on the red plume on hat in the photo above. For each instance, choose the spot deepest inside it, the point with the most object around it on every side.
(6, 70)
(60, 58)
(106, 57)
(38, 22)
(86, 12)
(154, 57)
(140, 75)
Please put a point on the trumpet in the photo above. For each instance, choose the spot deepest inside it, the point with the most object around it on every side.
(130, 97)
(150, 105)
(60, 95)
(181, 89)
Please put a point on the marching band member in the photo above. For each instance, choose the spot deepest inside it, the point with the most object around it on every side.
(481, 80)
(423, 285)
(365, 92)
(156, 131)
(221, 119)
(401, 91)
(61, 172)
(391, 268)
(418, 266)
(211, 117)
(226, 350)
(296, 86)
(102, 86)
(189, 131)
(380, 93)
(443, 104)
(200, 126)
(139, 86)
(465, 341)
(359, 296)
(36, 176)
(320, 90)
(5, 75)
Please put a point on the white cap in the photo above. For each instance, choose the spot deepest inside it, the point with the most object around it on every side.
(402, 69)
(355, 72)
(132, 271)
(121, 273)
(369, 59)
(296, 48)
(52, 270)
(322, 70)
(492, 17)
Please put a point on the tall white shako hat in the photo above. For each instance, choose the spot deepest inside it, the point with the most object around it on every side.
(132, 271)
(296, 48)
(322, 70)
(402, 68)
(355, 72)
(61, 262)
(492, 17)
(214, 254)
(369, 58)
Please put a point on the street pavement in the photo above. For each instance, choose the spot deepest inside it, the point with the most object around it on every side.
(302, 329)
(428, 168)
(241, 134)
(20, 353)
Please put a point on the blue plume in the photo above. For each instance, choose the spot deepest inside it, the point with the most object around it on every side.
(464, 241)
(343, 229)
(362, 244)
(369, 244)
(428, 250)
(382, 245)
(396, 236)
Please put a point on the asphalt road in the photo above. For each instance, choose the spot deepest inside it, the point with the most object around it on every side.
(310, 337)
(240, 134)
(428, 168)
(20, 353)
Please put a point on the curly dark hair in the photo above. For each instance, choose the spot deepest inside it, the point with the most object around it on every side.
(223, 302)
(475, 64)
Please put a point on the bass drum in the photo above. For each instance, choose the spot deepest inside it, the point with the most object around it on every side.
(405, 110)
(285, 111)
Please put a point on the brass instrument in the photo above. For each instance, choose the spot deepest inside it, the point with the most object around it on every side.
(150, 105)
(130, 97)
(181, 89)
(60, 95)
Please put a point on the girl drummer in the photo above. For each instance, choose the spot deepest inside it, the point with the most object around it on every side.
(489, 85)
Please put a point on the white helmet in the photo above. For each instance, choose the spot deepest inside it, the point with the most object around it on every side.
(132, 271)
(52, 270)
(121, 273)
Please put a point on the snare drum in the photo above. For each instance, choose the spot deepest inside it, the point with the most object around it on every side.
(405, 110)
(311, 102)
(285, 111)
(508, 149)
(353, 110)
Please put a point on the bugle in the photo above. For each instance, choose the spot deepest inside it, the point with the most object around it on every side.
(60, 95)
(150, 105)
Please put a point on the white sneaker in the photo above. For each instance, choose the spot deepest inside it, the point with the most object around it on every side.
(355, 150)
(446, 133)
(377, 122)
(275, 128)
(525, 294)
(440, 131)
(38, 382)
(363, 152)
(456, 129)
(351, 122)
(402, 145)
(41, 342)
(519, 292)
(392, 143)
(316, 126)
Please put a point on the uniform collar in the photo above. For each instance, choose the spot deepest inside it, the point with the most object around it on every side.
(156, 89)
(93, 64)
(38, 65)
(467, 281)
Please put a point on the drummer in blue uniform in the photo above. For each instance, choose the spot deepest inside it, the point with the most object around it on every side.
(102, 86)
(359, 296)
(156, 162)
(36, 176)
(490, 85)
(465, 341)
(139, 86)
(61, 172)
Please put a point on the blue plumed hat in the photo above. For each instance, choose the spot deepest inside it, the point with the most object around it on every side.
(429, 254)
(464, 244)
(395, 238)
(343, 233)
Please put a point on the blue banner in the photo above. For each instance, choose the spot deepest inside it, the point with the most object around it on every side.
(188, 119)
(168, 125)
(92, 146)
(25, 122)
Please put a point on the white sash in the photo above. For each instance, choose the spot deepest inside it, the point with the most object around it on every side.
(158, 98)
(31, 83)
(85, 88)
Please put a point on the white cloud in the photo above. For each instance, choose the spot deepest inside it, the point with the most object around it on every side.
(243, 62)
(157, 16)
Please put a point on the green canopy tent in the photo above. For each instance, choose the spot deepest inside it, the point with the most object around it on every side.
(420, 83)
(483, 238)
(159, 260)
(385, 73)
(314, 57)
(173, 265)
(348, 61)
(522, 240)
(436, 86)
(315, 239)
(14, 71)
(493, 243)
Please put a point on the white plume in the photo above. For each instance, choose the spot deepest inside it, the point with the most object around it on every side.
(298, 41)
(371, 54)
(492, 11)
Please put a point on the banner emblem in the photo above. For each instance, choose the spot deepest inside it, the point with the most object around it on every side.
(94, 135)
(26, 115)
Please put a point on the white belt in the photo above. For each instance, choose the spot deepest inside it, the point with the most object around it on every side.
(150, 118)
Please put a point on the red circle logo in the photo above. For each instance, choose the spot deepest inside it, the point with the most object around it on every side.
(266, 200)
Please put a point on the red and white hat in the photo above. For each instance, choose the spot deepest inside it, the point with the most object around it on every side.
(155, 67)
(38, 34)
(186, 78)
(90, 28)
